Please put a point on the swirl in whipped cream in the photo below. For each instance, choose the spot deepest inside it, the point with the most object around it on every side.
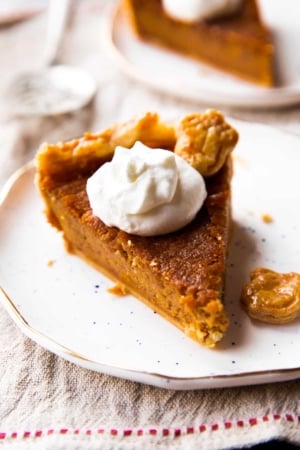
(194, 10)
(146, 191)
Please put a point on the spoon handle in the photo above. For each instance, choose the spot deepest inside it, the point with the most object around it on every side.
(58, 13)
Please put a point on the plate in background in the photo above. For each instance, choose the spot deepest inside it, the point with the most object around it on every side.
(189, 80)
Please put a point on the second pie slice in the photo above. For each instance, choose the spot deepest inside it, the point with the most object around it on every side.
(179, 274)
(239, 44)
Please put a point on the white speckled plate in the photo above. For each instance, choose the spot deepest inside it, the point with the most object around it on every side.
(63, 304)
(173, 74)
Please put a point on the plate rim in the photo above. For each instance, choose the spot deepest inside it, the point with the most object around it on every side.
(279, 97)
(151, 378)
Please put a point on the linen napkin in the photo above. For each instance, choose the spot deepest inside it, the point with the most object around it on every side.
(48, 403)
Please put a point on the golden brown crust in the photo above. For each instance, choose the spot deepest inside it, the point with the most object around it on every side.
(78, 153)
(203, 139)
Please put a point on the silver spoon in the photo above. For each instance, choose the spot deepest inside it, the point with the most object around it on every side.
(54, 89)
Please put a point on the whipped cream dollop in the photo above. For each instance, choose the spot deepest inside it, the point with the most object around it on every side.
(194, 10)
(146, 191)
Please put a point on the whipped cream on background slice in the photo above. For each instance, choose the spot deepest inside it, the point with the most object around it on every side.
(194, 10)
(146, 191)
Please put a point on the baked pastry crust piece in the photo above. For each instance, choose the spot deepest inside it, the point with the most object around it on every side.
(239, 44)
(180, 275)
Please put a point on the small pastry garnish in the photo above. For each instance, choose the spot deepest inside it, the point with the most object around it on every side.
(271, 296)
(205, 141)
